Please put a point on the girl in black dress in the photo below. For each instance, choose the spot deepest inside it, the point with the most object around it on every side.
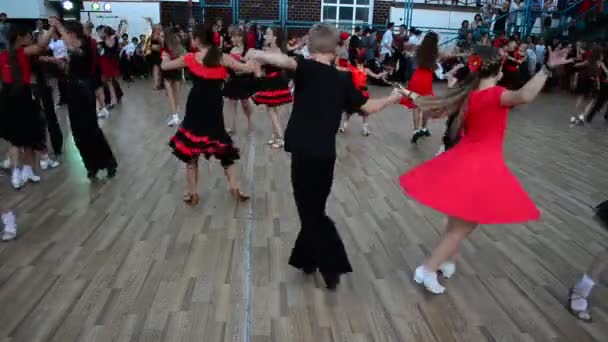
(239, 86)
(274, 90)
(88, 137)
(152, 51)
(21, 121)
(203, 131)
(587, 84)
(172, 49)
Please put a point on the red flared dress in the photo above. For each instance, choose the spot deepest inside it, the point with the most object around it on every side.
(421, 84)
(471, 181)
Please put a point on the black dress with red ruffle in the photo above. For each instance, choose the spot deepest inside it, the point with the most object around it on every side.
(203, 131)
(21, 120)
(239, 86)
(273, 89)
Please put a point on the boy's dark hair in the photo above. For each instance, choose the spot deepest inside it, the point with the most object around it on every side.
(390, 26)
(357, 29)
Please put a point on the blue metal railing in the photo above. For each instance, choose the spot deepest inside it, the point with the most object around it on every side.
(526, 26)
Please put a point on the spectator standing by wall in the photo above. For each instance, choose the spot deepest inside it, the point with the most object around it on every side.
(500, 23)
(354, 45)
(399, 54)
(386, 49)
(515, 15)
(4, 29)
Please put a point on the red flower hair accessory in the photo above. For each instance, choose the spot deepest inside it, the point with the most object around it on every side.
(475, 62)
(344, 36)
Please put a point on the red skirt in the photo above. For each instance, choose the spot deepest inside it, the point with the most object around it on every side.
(472, 182)
(421, 84)
(110, 67)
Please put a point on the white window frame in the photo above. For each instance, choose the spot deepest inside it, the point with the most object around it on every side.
(354, 6)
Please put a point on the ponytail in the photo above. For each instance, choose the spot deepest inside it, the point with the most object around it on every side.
(204, 34)
(486, 63)
(213, 57)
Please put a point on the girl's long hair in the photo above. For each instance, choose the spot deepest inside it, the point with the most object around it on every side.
(455, 101)
(280, 40)
(173, 42)
(428, 51)
(237, 32)
(204, 34)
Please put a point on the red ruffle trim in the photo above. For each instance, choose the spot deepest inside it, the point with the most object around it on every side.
(207, 146)
(274, 93)
(198, 69)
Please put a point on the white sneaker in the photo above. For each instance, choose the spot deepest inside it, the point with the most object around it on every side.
(17, 179)
(48, 163)
(173, 120)
(447, 269)
(28, 175)
(103, 113)
(10, 227)
(429, 280)
(5, 164)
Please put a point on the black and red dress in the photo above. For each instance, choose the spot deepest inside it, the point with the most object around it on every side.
(203, 131)
(171, 75)
(273, 88)
(511, 77)
(238, 86)
(21, 121)
(109, 60)
(359, 77)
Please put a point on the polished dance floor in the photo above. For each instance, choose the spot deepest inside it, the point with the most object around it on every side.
(126, 260)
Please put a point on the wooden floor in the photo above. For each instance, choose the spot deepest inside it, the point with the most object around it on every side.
(126, 260)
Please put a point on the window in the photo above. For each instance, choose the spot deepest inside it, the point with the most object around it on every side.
(346, 12)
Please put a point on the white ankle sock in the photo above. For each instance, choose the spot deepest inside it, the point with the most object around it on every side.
(584, 286)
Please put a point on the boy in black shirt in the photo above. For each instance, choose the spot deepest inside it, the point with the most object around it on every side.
(322, 94)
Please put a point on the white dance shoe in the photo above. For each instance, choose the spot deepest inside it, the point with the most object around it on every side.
(173, 120)
(48, 163)
(10, 227)
(447, 269)
(17, 179)
(429, 279)
(28, 175)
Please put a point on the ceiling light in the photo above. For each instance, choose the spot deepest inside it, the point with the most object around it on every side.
(107, 6)
(68, 5)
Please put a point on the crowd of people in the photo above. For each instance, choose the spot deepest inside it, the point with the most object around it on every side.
(323, 77)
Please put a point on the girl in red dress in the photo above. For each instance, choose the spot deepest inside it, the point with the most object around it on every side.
(359, 74)
(203, 132)
(422, 82)
(471, 183)
(274, 91)
(109, 61)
